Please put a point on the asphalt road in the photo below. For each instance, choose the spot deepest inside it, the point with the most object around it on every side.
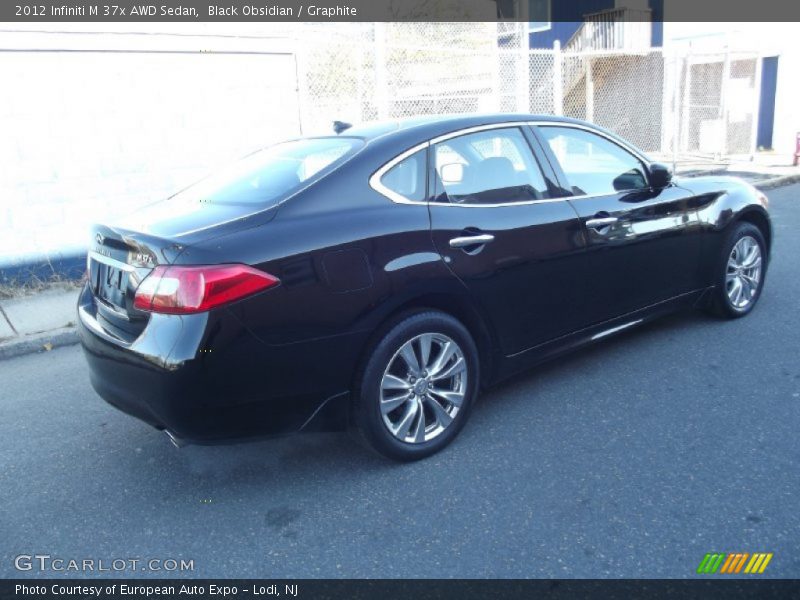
(629, 459)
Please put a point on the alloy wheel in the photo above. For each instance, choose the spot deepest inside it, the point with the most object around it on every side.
(743, 273)
(423, 387)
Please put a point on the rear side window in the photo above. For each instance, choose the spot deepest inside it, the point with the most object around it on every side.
(407, 178)
(270, 175)
(592, 164)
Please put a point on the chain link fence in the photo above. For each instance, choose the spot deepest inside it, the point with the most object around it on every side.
(689, 110)
(714, 105)
(69, 167)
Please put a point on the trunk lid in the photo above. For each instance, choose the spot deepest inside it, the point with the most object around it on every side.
(122, 254)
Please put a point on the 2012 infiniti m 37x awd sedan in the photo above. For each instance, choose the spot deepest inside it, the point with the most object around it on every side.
(380, 278)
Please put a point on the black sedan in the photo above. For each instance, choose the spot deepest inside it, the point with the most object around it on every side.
(378, 278)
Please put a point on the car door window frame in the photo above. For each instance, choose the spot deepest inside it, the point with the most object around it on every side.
(540, 160)
(548, 173)
(561, 175)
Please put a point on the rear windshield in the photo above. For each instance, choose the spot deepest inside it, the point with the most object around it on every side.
(272, 174)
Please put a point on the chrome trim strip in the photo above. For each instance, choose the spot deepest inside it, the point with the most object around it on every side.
(375, 184)
(477, 128)
(607, 332)
(621, 143)
(176, 441)
(499, 205)
(110, 261)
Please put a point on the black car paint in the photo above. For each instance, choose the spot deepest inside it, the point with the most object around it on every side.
(348, 259)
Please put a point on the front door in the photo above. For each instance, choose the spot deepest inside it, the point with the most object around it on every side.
(643, 243)
(500, 229)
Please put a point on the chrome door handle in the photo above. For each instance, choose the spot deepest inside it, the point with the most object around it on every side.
(471, 240)
(601, 222)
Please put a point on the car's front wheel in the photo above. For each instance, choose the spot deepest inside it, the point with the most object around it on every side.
(417, 387)
(740, 271)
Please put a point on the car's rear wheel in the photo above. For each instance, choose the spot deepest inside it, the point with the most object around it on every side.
(417, 387)
(740, 272)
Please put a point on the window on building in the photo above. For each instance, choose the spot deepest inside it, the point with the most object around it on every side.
(539, 15)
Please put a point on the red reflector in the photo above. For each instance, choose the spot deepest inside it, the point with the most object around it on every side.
(182, 290)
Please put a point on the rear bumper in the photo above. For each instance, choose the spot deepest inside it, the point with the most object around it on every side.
(207, 379)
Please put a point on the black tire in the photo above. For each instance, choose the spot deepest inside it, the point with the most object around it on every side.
(721, 304)
(367, 414)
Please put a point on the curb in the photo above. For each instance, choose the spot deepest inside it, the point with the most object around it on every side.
(764, 184)
(40, 342)
(778, 182)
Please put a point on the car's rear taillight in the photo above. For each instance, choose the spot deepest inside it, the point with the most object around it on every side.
(182, 290)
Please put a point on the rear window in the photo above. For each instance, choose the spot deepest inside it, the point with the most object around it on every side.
(272, 174)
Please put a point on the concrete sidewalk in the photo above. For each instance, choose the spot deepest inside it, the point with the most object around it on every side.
(765, 170)
(38, 322)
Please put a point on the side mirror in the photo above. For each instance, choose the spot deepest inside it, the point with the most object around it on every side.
(660, 175)
(452, 173)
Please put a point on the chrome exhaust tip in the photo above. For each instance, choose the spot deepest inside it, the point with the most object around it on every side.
(176, 441)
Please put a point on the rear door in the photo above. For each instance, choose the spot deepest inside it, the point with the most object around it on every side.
(500, 227)
(643, 243)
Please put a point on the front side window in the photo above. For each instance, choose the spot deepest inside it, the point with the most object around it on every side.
(489, 167)
(593, 164)
(270, 175)
(407, 178)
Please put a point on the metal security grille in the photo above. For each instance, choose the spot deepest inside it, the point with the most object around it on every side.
(717, 104)
(685, 109)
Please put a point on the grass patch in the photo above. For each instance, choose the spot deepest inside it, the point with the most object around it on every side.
(33, 284)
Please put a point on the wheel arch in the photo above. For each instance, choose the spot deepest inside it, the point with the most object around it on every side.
(732, 211)
(457, 306)
(758, 218)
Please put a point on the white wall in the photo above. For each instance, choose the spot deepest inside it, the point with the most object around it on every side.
(128, 119)
(769, 39)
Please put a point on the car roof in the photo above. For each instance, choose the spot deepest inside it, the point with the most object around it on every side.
(430, 126)
(415, 130)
